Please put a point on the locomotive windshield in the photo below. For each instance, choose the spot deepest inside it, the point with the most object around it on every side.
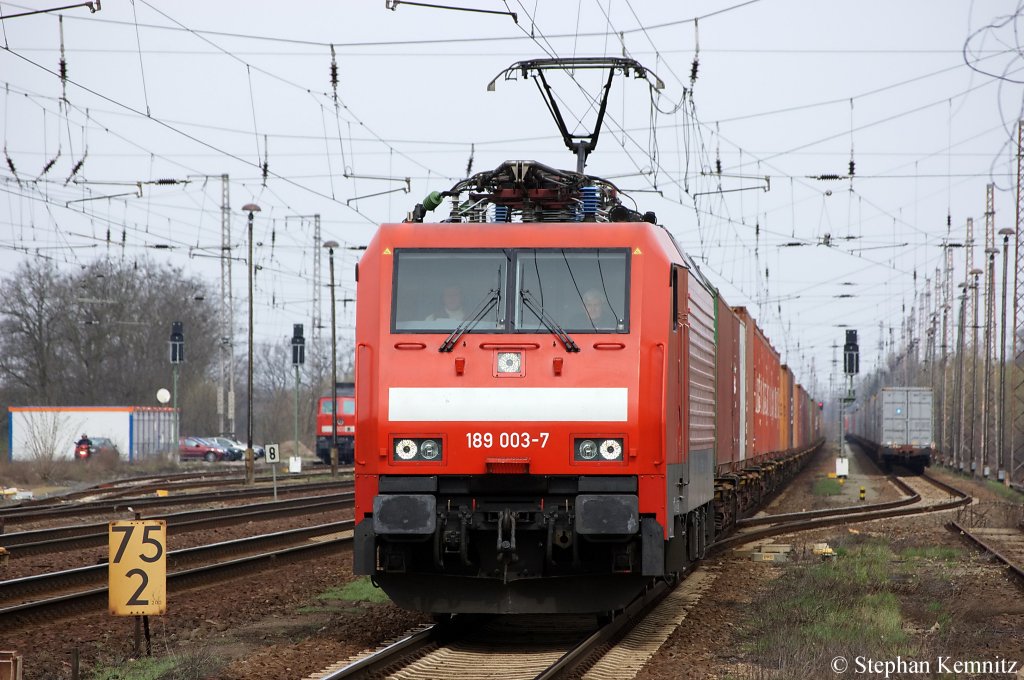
(348, 406)
(581, 290)
(436, 290)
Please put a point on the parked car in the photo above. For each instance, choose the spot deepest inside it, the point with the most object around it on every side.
(104, 446)
(197, 448)
(257, 450)
(235, 450)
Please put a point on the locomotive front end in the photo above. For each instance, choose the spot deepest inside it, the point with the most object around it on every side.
(500, 465)
(512, 393)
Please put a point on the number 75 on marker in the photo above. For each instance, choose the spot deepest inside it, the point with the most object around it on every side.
(138, 567)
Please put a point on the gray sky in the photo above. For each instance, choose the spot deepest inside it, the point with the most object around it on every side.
(784, 89)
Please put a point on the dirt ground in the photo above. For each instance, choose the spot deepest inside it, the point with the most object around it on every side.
(981, 616)
(264, 626)
(289, 623)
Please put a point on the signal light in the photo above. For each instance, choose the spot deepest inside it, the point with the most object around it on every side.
(821, 406)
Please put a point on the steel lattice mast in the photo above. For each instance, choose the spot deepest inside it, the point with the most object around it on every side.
(988, 400)
(226, 384)
(317, 285)
(948, 338)
(968, 385)
(1017, 431)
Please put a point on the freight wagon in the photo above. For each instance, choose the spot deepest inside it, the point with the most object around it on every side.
(896, 426)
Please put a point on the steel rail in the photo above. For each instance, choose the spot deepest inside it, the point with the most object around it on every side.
(389, 654)
(633, 614)
(1016, 569)
(837, 519)
(95, 507)
(230, 481)
(44, 612)
(40, 541)
(103, 487)
(145, 484)
(911, 498)
(59, 580)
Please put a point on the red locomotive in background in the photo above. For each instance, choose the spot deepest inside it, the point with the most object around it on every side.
(554, 405)
(343, 415)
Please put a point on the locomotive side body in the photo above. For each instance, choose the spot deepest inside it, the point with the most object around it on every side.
(498, 469)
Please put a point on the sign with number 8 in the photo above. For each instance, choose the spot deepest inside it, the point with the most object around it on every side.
(138, 567)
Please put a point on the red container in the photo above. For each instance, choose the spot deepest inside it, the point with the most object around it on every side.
(728, 387)
(785, 408)
(762, 391)
(800, 415)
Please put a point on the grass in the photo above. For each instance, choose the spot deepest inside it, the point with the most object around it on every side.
(360, 590)
(827, 487)
(850, 606)
(1004, 491)
(191, 663)
(146, 668)
(932, 552)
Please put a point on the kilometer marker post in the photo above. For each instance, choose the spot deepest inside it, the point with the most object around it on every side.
(137, 571)
(274, 457)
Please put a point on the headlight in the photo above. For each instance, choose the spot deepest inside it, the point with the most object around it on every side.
(509, 362)
(406, 449)
(611, 449)
(429, 449)
(418, 449)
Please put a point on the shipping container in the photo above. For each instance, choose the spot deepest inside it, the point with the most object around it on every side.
(763, 370)
(799, 415)
(906, 417)
(727, 369)
(785, 408)
(138, 432)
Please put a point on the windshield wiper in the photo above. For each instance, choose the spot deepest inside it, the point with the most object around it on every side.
(488, 303)
(549, 323)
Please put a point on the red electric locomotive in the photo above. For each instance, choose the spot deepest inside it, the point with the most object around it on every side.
(535, 390)
(343, 415)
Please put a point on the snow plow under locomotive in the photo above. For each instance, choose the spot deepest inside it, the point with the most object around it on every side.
(554, 406)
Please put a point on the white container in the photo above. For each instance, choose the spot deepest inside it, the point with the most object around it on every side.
(51, 432)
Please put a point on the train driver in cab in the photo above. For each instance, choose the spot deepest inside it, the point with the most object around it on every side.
(597, 313)
(451, 305)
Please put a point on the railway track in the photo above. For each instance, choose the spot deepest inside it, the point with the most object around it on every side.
(446, 651)
(1006, 545)
(931, 495)
(41, 541)
(149, 483)
(44, 598)
(998, 529)
(20, 515)
(510, 647)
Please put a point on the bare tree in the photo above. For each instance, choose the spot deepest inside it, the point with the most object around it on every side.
(47, 433)
(99, 336)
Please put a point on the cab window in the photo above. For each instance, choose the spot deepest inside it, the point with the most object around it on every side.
(436, 290)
